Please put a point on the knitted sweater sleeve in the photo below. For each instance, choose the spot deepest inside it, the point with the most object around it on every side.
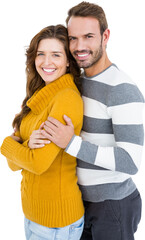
(125, 109)
(39, 160)
(12, 165)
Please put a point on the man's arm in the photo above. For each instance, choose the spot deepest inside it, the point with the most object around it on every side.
(128, 131)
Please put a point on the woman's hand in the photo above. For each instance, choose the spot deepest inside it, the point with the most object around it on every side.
(37, 139)
(17, 139)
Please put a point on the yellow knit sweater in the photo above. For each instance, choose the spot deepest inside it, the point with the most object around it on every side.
(49, 190)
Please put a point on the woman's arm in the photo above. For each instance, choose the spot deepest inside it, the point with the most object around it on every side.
(39, 160)
(13, 166)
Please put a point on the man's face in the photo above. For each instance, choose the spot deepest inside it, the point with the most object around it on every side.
(85, 40)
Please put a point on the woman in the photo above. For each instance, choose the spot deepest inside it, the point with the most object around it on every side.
(51, 199)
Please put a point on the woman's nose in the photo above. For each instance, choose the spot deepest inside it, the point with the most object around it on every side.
(47, 60)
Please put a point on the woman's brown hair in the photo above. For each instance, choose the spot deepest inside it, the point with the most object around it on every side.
(34, 80)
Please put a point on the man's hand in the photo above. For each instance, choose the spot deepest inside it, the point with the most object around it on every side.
(57, 132)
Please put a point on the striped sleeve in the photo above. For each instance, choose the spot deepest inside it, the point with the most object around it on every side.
(125, 107)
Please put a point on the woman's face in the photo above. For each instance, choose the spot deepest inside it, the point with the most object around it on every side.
(51, 60)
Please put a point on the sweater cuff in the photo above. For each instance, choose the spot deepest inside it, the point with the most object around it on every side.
(8, 147)
(74, 146)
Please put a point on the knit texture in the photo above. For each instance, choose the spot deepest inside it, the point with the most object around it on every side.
(49, 190)
(110, 147)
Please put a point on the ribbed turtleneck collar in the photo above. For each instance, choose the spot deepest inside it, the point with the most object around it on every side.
(41, 99)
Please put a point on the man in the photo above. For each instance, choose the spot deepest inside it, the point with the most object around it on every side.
(110, 146)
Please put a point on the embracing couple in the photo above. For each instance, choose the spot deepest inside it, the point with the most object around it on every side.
(79, 136)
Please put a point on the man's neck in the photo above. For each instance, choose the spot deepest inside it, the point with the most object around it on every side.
(98, 67)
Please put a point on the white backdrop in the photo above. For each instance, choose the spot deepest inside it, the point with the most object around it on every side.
(19, 22)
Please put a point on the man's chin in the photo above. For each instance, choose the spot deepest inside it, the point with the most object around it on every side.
(83, 64)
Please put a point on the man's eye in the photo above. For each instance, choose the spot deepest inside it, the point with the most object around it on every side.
(71, 38)
(89, 36)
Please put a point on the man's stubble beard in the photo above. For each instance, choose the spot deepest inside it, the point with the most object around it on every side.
(96, 56)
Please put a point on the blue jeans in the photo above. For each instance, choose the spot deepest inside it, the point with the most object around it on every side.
(34, 231)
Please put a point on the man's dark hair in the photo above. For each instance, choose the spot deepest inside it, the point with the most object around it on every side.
(86, 9)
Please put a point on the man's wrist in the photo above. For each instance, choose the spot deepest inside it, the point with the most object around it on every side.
(74, 146)
(70, 143)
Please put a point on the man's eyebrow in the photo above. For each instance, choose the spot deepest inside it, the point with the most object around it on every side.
(70, 36)
(83, 35)
(89, 34)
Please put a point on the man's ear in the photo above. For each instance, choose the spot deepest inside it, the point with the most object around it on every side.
(106, 36)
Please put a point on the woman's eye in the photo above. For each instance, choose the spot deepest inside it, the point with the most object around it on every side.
(40, 54)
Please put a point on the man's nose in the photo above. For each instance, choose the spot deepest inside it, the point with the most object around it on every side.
(80, 45)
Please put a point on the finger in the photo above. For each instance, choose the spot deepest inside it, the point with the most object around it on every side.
(48, 130)
(36, 132)
(68, 121)
(40, 136)
(38, 146)
(41, 126)
(47, 135)
(37, 135)
(54, 121)
(48, 125)
(41, 142)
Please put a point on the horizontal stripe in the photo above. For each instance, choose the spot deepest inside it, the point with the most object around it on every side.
(99, 139)
(87, 152)
(123, 94)
(112, 76)
(93, 125)
(124, 162)
(111, 96)
(127, 113)
(135, 151)
(88, 177)
(74, 146)
(94, 109)
(82, 164)
(129, 133)
(102, 192)
(89, 90)
(105, 158)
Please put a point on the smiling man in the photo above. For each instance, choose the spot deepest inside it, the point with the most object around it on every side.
(110, 146)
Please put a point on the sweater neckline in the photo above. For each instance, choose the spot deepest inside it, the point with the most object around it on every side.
(41, 98)
(106, 69)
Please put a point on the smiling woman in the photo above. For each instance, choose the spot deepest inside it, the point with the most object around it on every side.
(51, 61)
(51, 199)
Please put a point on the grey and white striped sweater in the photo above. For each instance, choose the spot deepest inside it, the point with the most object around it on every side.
(110, 146)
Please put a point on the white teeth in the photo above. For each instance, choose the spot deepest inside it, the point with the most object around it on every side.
(49, 70)
(83, 55)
